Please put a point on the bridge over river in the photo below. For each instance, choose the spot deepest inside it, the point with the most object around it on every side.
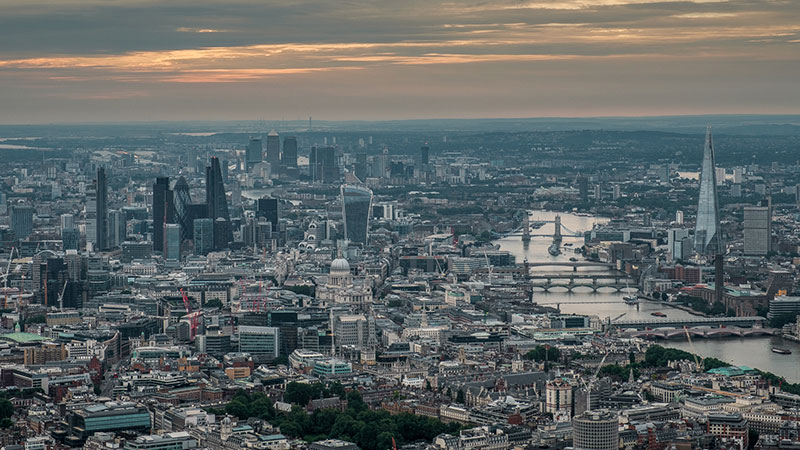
(713, 322)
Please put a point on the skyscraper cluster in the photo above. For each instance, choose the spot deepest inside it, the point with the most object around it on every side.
(176, 218)
(258, 151)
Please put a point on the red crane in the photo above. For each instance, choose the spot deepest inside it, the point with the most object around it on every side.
(192, 316)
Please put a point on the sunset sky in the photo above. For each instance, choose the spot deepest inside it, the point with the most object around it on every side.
(119, 60)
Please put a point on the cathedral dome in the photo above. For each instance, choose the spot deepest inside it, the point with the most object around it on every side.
(340, 266)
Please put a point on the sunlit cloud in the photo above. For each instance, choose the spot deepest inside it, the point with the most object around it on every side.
(198, 30)
(95, 50)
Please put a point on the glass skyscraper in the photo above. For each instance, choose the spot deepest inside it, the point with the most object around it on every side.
(356, 208)
(102, 209)
(216, 201)
(163, 211)
(289, 156)
(254, 153)
(707, 238)
(182, 200)
(203, 236)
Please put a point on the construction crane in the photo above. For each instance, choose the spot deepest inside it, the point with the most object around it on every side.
(192, 317)
(61, 296)
(591, 383)
(697, 364)
(5, 277)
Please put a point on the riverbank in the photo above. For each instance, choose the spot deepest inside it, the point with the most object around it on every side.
(684, 308)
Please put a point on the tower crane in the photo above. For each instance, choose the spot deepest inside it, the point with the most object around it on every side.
(697, 364)
(592, 380)
(192, 316)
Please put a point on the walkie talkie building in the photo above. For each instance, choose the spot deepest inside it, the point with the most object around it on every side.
(356, 209)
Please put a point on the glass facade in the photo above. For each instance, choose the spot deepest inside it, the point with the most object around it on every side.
(356, 208)
(707, 239)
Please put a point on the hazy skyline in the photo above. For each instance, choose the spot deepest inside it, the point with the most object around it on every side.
(105, 60)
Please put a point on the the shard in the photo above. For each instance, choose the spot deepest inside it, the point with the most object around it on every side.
(707, 233)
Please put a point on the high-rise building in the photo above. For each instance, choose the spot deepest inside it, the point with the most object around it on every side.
(117, 228)
(172, 234)
(102, 209)
(360, 167)
(356, 209)
(707, 235)
(269, 208)
(254, 153)
(289, 156)
(595, 430)
(22, 220)
(758, 229)
(216, 202)
(424, 155)
(203, 236)
(163, 211)
(679, 244)
(182, 199)
(67, 222)
(322, 165)
(583, 188)
(70, 239)
(274, 150)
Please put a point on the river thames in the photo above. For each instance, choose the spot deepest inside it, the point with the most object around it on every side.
(754, 352)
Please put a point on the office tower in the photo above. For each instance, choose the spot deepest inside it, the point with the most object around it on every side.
(679, 244)
(322, 165)
(70, 239)
(598, 192)
(254, 153)
(269, 208)
(354, 330)
(236, 194)
(67, 222)
(260, 342)
(203, 236)
(356, 208)
(136, 250)
(172, 234)
(289, 156)
(797, 194)
(117, 228)
(679, 217)
(583, 189)
(360, 167)
(595, 430)
(216, 202)
(274, 150)
(193, 211)
(707, 235)
(424, 155)
(221, 229)
(22, 221)
(758, 228)
(182, 199)
(102, 209)
(163, 211)
(616, 193)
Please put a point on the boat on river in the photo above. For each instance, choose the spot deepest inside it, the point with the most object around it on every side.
(781, 351)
